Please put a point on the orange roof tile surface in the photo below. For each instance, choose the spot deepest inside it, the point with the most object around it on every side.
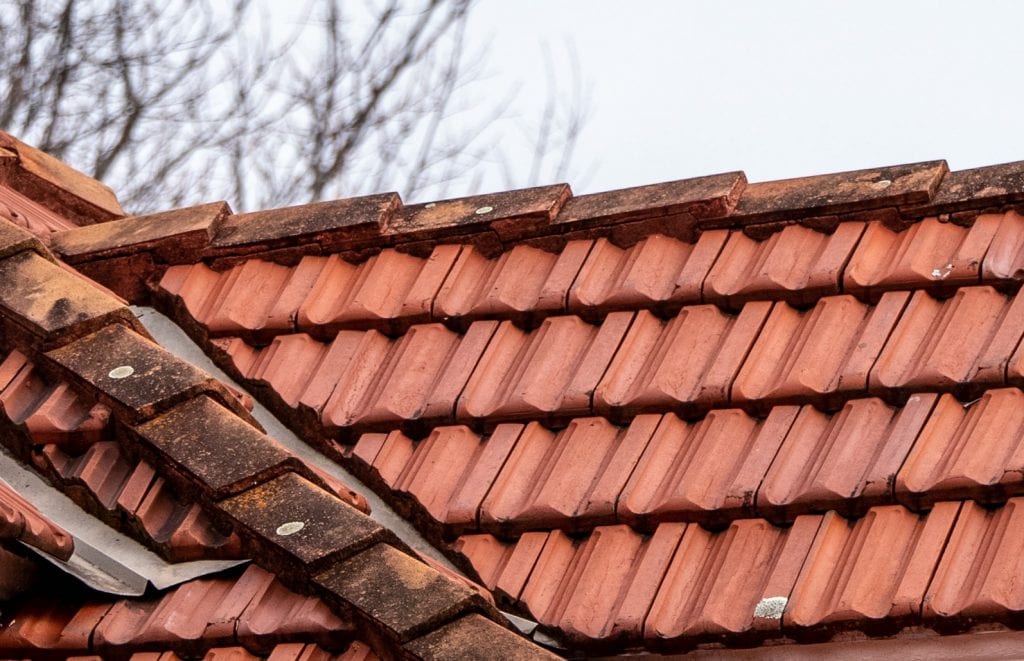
(704, 414)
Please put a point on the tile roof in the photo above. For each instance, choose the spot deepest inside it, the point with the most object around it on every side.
(700, 413)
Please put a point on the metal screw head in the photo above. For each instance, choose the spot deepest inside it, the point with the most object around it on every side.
(290, 528)
(482, 210)
(430, 205)
(881, 184)
(122, 372)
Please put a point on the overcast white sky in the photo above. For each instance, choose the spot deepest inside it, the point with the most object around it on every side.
(777, 89)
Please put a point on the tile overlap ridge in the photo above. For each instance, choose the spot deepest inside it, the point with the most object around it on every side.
(287, 517)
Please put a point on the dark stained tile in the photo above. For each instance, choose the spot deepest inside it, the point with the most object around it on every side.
(990, 186)
(220, 453)
(44, 305)
(395, 590)
(134, 375)
(176, 236)
(681, 201)
(15, 239)
(841, 192)
(509, 215)
(475, 638)
(354, 218)
(298, 522)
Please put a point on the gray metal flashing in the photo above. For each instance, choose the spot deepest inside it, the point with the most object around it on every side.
(104, 559)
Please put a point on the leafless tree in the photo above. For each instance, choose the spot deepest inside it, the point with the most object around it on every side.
(173, 102)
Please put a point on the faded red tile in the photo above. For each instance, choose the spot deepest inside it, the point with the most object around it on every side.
(960, 344)
(688, 361)
(821, 355)
(551, 371)
(928, 255)
(979, 575)
(871, 573)
(523, 282)
(796, 264)
(973, 450)
(845, 461)
(655, 270)
(707, 471)
(728, 583)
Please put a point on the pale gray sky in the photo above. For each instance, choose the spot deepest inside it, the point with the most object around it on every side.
(777, 89)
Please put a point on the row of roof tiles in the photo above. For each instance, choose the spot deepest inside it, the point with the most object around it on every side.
(203, 441)
(950, 569)
(457, 284)
(700, 359)
(253, 610)
(726, 466)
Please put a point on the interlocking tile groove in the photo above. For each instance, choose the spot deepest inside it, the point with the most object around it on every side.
(44, 305)
(300, 527)
(846, 461)
(521, 283)
(398, 592)
(686, 363)
(962, 344)
(218, 451)
(796, 264)
(872, 572)
(177, 236)
(654, 272)
(978, 577)
(550, 371)
(706, 471)
(932, 255)
(822, 355)
(135, 376)
(973, 450)
(841, 192)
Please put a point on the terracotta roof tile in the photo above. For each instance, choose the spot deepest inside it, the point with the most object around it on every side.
(20, 520)
(57, 185)
(25, 212)
(797, 264)
(191, 619)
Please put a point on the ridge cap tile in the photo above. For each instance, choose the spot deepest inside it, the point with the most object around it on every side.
(62, 188)
(474, 638)
(358, 217)
(989, 185)
(509, 214)
(397, 591)
(15, 239)
(707, 196)
(840, 192)
(176, 236)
